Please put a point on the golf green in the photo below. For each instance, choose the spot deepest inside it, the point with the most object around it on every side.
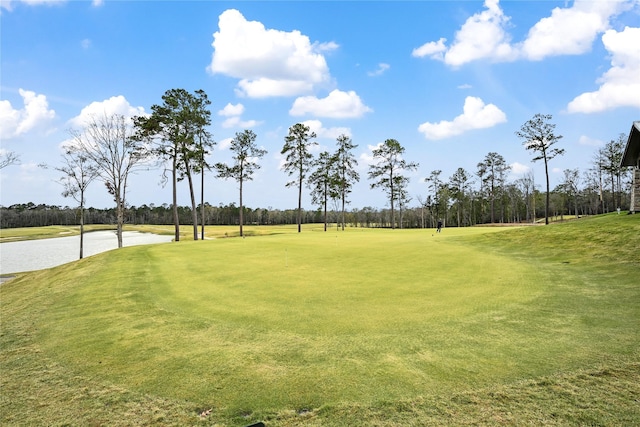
(296, 322)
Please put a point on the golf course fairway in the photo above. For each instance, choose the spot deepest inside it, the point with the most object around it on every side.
(471, 326)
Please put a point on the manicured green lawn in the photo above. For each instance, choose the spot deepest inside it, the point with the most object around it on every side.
(381, 327)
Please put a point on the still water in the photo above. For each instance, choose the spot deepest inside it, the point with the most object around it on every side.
(46, 253)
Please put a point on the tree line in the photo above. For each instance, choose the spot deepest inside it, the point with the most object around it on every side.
(40, 215)
(175, 138)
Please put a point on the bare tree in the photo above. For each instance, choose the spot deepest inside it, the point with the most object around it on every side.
(78, 172)
(8, 158)
(527, 185)
(539, 137)
(598, 171)
(570, 186)
(108, 143)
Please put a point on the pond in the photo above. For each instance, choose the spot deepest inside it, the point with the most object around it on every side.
(32, 255)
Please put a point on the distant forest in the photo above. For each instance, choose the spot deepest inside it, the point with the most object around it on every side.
(510, 205)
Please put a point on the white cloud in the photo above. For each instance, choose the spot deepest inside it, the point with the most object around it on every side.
(224, 144)
(231, 110)
(366, 158)
(585, 140)
(567, 31)
(34, 115)
(85, 43)
(236, 122)
(264, 87)
(322, 132)
(434, 50)
(114, 105)
(337, 104)
(382, 67)
(465, 86)
(268, 62)
(38, 2)
(476, 115)
(519, 168)
(326, 47)
(483, 35)
(620, 85)
(8, 4)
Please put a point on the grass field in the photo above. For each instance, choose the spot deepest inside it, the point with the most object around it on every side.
(474, 326)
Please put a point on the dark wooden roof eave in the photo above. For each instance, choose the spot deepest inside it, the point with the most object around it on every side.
(632, 151)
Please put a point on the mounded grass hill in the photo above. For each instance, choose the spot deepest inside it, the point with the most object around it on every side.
(476, 326)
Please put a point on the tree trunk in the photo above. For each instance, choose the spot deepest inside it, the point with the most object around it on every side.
(343, 208)
(493, 197)
(176, 219)
(119, 217)
(202, 203)
(81, 223)
(325, 206)
(300, 204)
(546, 206)
(613, 193)
(241, 209)
(194, 210)
(393, 217)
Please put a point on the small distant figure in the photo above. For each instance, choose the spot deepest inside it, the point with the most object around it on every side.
(439, 226)
(618, 211)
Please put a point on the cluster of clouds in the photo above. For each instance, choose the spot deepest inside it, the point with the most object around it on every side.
(233, 114)
(116, 105)
(270, 62)
(274, 63)
(475, 115)
(620, 85)
(35, 114)
(568, 31)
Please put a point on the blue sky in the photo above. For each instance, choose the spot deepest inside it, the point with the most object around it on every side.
(451, 81)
